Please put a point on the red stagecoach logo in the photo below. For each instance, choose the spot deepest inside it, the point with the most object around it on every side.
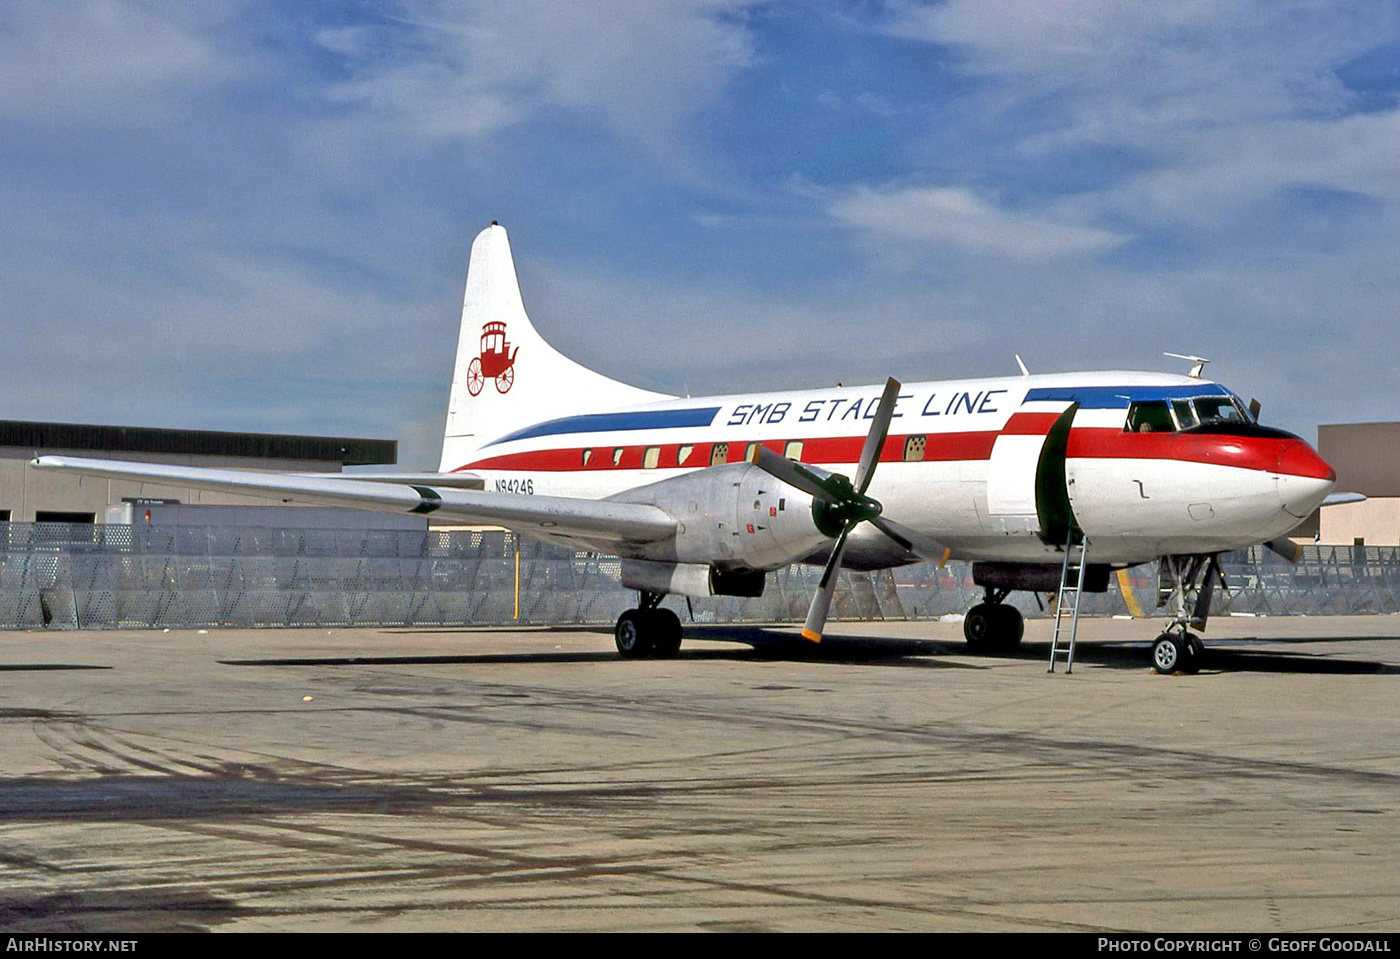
(497, 360)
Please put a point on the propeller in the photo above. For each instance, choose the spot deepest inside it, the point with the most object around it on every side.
(841, 506)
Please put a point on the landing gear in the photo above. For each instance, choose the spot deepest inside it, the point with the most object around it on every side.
(648, 630)
(1187, 585)
(993, 626)
(1179, 652)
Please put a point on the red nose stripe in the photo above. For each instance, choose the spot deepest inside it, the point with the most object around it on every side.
(1267, 454)
(1300, 459)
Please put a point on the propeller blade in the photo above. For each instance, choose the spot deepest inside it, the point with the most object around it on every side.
(846, 504)
(821, 601)
(1286, 548)
(809, 479)
(925, 547)
(875, 439)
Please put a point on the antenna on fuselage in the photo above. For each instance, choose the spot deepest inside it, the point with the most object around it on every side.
(1198, 361)
(1024, 371)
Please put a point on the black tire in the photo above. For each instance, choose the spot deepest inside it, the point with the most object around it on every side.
(1195, 652)
(1010, 628)
(1168, 654)
(667, 634)
(634, 634)
(993, 628)
(979, 626)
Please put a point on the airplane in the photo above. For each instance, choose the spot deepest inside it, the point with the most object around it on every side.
(704, 496)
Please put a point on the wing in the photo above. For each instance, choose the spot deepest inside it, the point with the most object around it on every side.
(435, 480)
(591, 520)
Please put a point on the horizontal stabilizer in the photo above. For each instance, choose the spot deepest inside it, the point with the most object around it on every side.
(1337, 499)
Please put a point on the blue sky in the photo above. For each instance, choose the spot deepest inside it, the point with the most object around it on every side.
(256, 216)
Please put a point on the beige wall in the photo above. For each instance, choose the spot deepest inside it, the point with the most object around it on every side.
(1377, 521)
(23, 490)
(1366, 456)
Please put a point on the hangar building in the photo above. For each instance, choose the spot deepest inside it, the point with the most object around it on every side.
(28, 495)
(1366, 457)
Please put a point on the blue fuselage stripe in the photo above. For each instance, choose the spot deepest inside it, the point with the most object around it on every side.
(1118, 397)
(605, 422)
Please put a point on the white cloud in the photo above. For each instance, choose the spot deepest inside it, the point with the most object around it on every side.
(1219, 174)
(1109, 71)
(955, 218)
(67, 62)
(1213, 110)
(462, 69)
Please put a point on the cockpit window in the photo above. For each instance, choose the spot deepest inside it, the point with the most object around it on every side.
(1162, 416)
(1150, 416)
(1219, 409)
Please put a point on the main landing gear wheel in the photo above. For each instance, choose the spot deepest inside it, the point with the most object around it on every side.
(633, 638)
(648, 632)
(993, 628)
(1172, 653)
(667, 642)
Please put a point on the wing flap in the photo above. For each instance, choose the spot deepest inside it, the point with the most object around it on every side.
(435, 480)
(549, 515)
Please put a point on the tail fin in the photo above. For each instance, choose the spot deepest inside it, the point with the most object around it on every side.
(507, 376)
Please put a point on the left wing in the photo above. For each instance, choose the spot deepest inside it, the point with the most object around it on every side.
(435, 480)
(593, 520)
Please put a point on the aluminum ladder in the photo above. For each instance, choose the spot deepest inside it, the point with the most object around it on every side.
(1067, 600)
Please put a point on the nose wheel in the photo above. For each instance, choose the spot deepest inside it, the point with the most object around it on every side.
(1187, 584)
(1177, 652)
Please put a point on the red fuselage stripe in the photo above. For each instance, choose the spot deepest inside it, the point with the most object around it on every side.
(1267, 454)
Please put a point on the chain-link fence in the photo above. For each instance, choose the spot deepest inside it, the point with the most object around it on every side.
(75, 576)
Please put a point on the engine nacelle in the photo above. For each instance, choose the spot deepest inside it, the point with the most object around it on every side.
(734, 517)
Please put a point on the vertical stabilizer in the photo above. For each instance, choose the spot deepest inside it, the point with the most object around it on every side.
(506, 375)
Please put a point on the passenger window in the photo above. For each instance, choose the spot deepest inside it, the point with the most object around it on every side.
(749, 452)
(683, 454)
(1150, 416)
(617, 456)
(793, 450)
(914, 448)
(651, 457)
(587, 455)
(719, 454)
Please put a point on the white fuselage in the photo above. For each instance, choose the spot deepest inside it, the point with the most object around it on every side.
(960, 463)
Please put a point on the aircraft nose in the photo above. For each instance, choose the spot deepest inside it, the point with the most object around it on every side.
(1304, 478)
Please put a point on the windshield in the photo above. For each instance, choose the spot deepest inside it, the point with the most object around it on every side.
(1162, 416)
(1219, 409)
